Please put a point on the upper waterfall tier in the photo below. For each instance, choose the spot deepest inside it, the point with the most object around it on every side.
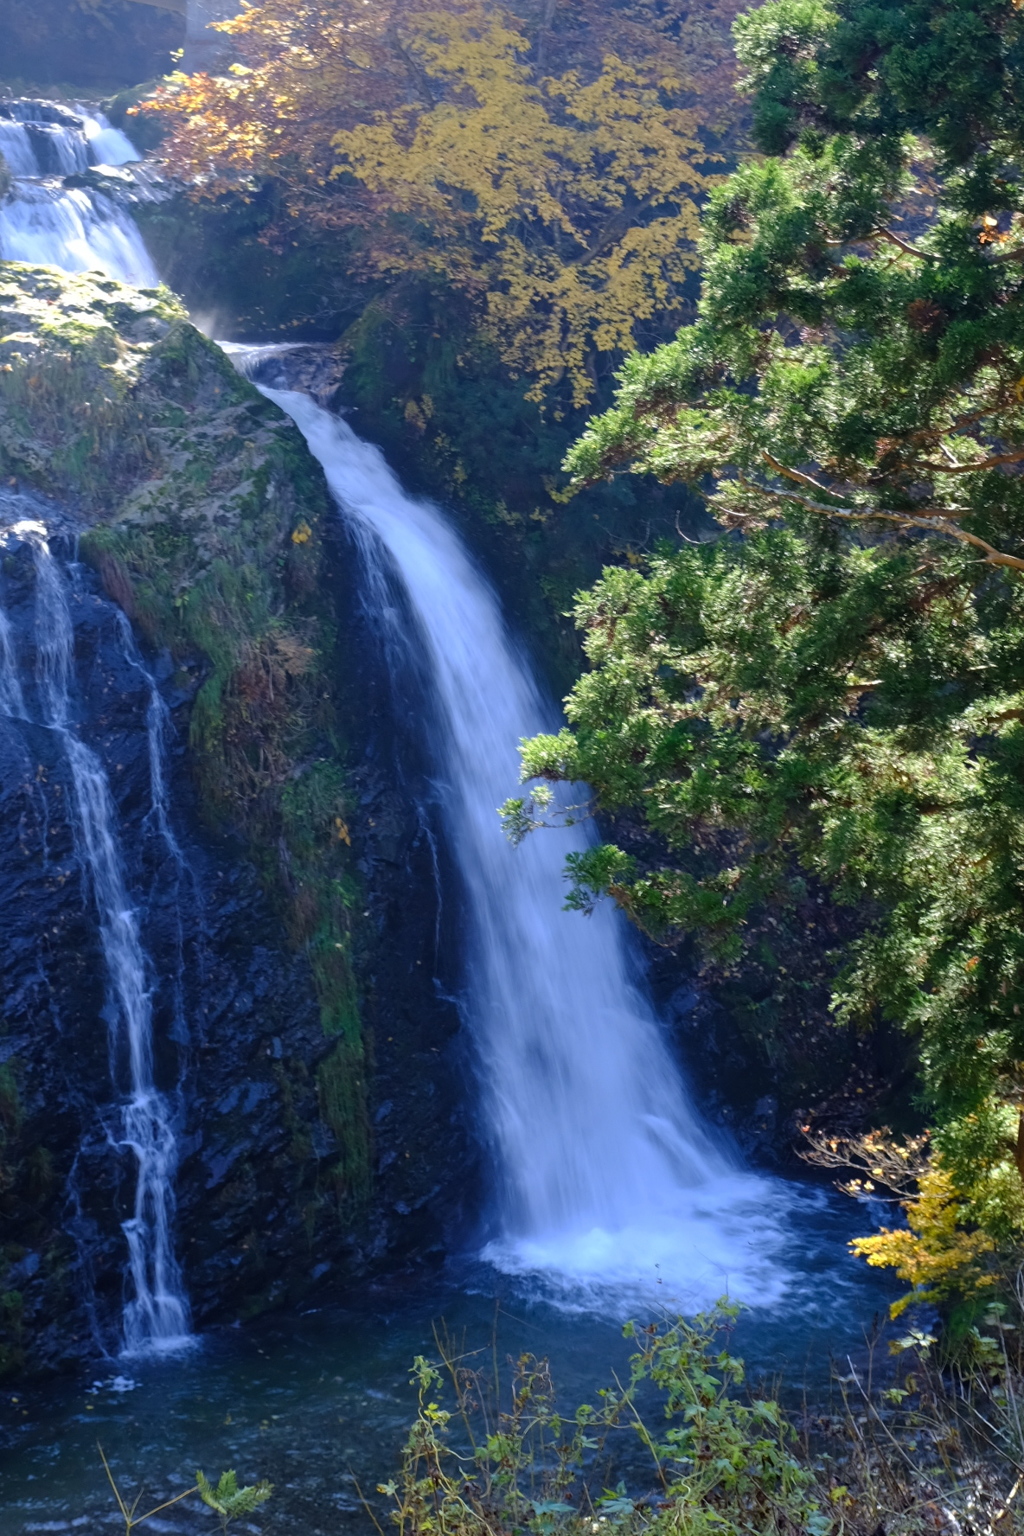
(43, 138)
(46, 223)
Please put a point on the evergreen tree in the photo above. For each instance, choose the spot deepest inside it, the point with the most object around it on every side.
(829, 695)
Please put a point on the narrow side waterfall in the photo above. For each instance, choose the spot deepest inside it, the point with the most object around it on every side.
(157, 717)
(45, 222)
(607, 1177)
(156, 1311)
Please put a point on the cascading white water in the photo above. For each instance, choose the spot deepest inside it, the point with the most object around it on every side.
(75, 230)
(157, 718)
(12, 702)
(157, 821)
(40, 138)
(46, 223)
(107, 144)
(607, 1176)
(156, 1314)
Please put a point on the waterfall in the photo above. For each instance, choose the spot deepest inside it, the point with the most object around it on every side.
(45, 222)
(158, 723)
(157, 718)
(607, 1179)
(156, 1313)
(12, 702)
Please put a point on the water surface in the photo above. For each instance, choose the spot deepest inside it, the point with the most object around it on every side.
(320, 1402)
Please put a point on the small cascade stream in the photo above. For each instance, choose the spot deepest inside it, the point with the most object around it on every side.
(156, 1311)
(607, 1177)
(45, 221)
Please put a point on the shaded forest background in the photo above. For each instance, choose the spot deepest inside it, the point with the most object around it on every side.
(103, 45)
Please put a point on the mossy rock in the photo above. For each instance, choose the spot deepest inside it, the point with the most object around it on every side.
(205, 515)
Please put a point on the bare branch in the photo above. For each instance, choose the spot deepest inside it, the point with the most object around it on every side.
(795, 474)
(1016, 254)
(891, 1165)
(904, 245)
(969, 419)
(880, 232)
(992, 462)
(927, 521)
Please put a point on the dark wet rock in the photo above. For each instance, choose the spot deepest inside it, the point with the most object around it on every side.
(29, 110)
(238, 1033)
(315, 369)
(276, 1063)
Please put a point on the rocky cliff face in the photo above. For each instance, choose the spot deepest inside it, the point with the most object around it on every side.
(92, 43)
(300, 958)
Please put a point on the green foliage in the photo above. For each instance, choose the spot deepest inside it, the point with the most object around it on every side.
(937, 1447)
(876, 72)
(832, 704)
(722, 1465)
(69, 347)
(228, 1500)
(793, 713)
(859, 341)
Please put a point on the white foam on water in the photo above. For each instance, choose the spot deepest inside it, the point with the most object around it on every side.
(76, 230)
(107, 144)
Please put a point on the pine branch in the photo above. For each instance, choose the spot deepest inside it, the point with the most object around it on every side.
(927, 522)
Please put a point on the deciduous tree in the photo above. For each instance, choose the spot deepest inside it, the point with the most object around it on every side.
(524, 162)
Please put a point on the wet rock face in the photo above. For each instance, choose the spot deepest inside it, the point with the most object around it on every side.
(314, 369)
(303, 967)
(237, 1025)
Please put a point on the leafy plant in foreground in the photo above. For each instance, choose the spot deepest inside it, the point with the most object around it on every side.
(675, 1451)
(720, 1465)
(228, 1500)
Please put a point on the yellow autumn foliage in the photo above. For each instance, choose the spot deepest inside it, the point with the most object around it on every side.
(562, 205)
(936, 1254)
(566, 206)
